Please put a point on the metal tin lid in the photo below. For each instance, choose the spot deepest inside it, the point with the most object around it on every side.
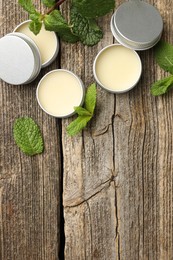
(137, 25)
(35, 51)
(17, 61)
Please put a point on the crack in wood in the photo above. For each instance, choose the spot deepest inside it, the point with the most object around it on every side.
(109, 181)
(101, 131)
(117, 224)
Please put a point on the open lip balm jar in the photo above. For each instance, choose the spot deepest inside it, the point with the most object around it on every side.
(117, 69)
(59, 91)
(46, 41)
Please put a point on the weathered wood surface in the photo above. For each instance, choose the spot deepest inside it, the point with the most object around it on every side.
(29, 187)
(117, 174)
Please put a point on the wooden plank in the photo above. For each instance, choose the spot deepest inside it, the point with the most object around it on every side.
(143, 141)
(89, 193)
(29, 187)
(120, 166)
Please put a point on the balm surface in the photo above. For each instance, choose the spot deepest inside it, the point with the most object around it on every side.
(45, 40)
(59, 92)
(118, 68)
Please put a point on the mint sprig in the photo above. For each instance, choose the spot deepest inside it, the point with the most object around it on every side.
(163, 53)
(162, 86)
(28, 6)
(94, 8)
(85, 113)
(35, 26)
(82, 26)
(49, 3)
(57, 23)
(85, 28)
(27, 136)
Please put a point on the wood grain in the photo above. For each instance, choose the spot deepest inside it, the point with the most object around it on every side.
(29, 187)
(118, 172)
(89, 188)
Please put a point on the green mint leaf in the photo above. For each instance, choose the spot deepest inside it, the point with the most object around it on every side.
(94, 8)
(90, 98)
(164, 56)
(49, 3)
(85, 114)
(27, 136)
(35, 26)
(56, 22)
(82, 111)
(162, 86)
(77, 125)
(27, 6)
(35, 17)
(86, 29)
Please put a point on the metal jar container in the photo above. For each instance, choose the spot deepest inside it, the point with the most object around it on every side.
(47, 81)
(20, 60)
(137, 25)
(21, 28)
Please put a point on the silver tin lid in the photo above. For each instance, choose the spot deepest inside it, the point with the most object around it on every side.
(17, 61)
(36, 53)
(137, 25)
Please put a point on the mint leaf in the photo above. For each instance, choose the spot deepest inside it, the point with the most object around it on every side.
(82, 111)
(86, 29)
(85, 114)
(49, 3)
(27, 136)
(35, 26)
(77, 125)
(56, 22)
(94, 8)
(90, 98)
(162, 86)
(27, 6)
(164, 56)
(36, 16)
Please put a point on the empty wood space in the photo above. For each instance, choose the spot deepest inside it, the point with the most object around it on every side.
(105, 194)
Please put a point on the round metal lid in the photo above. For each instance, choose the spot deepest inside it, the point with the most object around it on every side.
(35, 51)
(138, 24)
(17, 61)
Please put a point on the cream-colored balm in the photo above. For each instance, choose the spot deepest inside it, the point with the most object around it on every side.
(46, 41)
(117, 68)
(59, 92)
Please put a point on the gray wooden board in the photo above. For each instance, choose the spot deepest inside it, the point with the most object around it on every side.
(117, 174)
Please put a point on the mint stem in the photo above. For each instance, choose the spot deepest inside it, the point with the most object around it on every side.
(55, 6)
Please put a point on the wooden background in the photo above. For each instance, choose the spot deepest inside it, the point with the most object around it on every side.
(105, 194)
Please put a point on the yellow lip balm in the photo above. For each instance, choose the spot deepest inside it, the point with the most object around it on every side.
(117, 68)
(46, 41)
(59, 91)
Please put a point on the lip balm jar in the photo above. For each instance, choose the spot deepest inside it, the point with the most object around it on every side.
(117, 69)
(46, 41)
(20, 60)
(137, 25)
(59, 91)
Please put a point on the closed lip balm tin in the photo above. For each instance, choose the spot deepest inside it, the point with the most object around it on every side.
(137, 25)
(20, 60)
(46, 41)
